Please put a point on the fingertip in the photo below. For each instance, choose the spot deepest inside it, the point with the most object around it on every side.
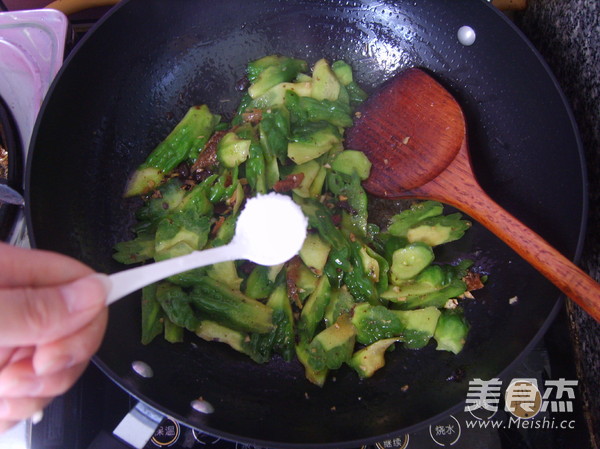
(104, 279)
(7, 425)
(86, 293)
(72, 349)
(45, 366)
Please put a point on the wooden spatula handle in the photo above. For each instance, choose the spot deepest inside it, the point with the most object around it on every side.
(414, 132)
(559, 270)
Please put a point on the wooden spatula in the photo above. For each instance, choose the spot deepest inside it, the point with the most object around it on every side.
(414, 133)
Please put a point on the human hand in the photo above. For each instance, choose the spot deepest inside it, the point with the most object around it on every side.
(52, 320)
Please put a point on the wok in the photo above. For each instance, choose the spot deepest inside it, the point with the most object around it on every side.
(129, 81)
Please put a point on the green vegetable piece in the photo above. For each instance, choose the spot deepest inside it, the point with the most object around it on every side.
(403, 221)
(431, 279)
(343, 72)
(225, 186)
(371, 358)
(244, 106)
(173, 332)
(283, 320)
(232, 151)
(316, 188)
(352, 161)
(275, 96)
(451, 331)
(314, 253)
(179, 246)
(212, 331)
(339, 257)
(258, 285)
(281, 339)
(314, 310)
(206, 124)
(152, 315)
(419, 325)
(344, 97)
(307, 109)
(274, 130)
(177, 305)
(271, 170)
(143, 180)
(305, 280)
(275, 271)
(378, 270)
(434, 286)
(169, 196)
(231, 307)
(309, 171)
(356, 95)
(137, 250)
(217, 192)
(438, 230)
(325, 84)
(355, 220)
(358, 281)
(225, 232)
(183, 142)
(369, 263)
(303, 78)
(181, 234)
(409, 261)
(226, 273)
(285, 69)
(341, 302)
(388, 244)
(301, 152)
(375, 323)
(312, 141)
(188, 278)
(317, 377)
(319, 218)
(257, 67)
(256, 169)
(237, 198)
(333, 346)
(195, 201)
(437, 298)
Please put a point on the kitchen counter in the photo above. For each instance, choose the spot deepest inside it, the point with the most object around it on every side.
(567, 34)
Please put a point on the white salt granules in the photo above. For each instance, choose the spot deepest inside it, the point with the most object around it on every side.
(271, 228)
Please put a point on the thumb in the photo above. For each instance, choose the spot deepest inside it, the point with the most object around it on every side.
(31, 316)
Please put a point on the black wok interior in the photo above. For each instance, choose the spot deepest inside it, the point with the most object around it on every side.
(131, 79)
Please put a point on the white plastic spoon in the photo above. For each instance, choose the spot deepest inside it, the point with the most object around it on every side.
(270, 230)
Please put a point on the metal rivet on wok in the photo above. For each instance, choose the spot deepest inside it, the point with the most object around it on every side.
(142, 368)
(466, 35)
(202, 406)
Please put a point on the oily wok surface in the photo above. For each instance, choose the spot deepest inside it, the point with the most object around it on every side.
(131, 79)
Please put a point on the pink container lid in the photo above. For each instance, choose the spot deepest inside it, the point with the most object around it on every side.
(31, 53)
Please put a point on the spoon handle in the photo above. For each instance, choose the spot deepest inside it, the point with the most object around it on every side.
(559, 270)
(128, 281)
